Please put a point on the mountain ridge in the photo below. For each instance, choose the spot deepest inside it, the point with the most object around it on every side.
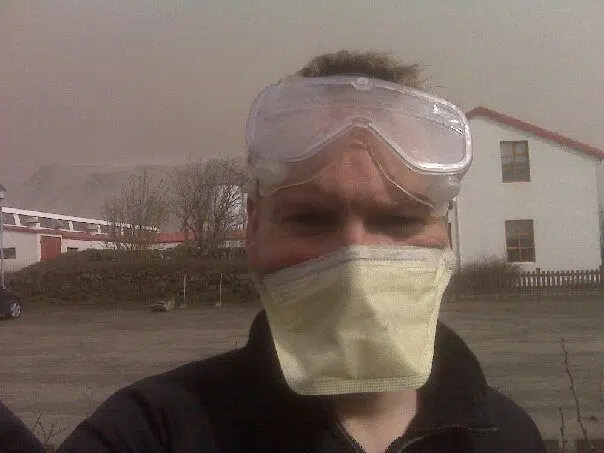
(73, 189)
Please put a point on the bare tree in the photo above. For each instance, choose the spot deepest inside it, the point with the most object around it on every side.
(136, 214)
(573, 391)
(48, 432)
(209, 200)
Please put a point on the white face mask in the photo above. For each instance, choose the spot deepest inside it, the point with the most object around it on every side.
(361, 319)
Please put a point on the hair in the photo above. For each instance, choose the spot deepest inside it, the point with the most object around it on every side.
(377, 65)
(370, 64)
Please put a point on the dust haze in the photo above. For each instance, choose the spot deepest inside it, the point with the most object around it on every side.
(121, 84)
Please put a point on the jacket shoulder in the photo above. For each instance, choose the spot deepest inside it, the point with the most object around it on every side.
(15, 437)
(516, 430)
(158, 411)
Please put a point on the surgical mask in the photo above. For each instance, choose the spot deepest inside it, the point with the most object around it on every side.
(361, 319)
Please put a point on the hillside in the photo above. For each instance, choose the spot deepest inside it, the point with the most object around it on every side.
(79, 190)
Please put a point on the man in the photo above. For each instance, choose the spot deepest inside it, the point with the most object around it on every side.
(15, 437)
(354, 169)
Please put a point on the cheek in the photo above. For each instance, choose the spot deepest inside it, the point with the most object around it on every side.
(433, 235)
(275, 251)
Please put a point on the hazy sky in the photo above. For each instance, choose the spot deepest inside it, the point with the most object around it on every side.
(115, 81)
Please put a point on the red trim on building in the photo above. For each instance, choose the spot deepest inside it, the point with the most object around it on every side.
(168, 238)
(484, 112)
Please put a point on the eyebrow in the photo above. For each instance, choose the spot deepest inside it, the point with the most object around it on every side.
(316, 198)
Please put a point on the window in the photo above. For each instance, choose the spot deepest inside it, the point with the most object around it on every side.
(8, 218)
(45, 222)
(92, 228)
(72, 249)
(79, 226)
(520, 241)
(110, 229)
(62, 224)
(10, 253)
(515, 165)
(58, 224)
(29, 221)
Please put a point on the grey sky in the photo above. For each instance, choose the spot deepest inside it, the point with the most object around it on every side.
(111, 81)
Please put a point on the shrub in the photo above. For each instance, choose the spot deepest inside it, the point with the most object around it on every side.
(118, 276)
(485, 276)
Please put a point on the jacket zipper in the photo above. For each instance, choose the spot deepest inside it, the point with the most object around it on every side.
(351, 440)
(394, 448)
(401, 448)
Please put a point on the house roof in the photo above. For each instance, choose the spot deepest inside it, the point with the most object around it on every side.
(483, 112)
(81, 236)
(52, 215)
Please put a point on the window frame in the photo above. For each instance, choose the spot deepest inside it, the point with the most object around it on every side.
(12, 255)
(8, 219)
(525, 253)
(517, 169)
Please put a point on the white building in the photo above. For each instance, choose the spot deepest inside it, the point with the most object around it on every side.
(32, 236)
(530, 197)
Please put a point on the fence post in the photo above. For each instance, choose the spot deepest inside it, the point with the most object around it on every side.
(538, 283)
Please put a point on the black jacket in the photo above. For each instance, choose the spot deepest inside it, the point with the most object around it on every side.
(238, 402)
(15, 437)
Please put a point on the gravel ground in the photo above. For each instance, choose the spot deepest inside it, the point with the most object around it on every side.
(62, 362)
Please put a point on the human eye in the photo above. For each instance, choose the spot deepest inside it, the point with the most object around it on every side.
(309, 219)
(398, 224)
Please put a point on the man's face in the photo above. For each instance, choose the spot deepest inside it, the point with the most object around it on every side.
(350, 203)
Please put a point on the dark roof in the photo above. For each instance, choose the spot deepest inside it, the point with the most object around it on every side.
(483, 112)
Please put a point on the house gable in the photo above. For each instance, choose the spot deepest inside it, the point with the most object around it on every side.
(560, 197)
(483, 112)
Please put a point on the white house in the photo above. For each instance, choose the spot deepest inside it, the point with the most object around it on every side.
(530, 197)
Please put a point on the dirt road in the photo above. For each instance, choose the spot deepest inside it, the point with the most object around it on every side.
(63, 362)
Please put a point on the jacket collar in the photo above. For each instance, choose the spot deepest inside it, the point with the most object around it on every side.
(454, 396)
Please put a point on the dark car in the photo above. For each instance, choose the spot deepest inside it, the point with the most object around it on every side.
(11, 305)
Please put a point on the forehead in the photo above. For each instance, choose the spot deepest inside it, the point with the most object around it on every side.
(350, 179)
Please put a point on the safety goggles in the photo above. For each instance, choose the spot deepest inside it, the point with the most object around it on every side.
(292, 122)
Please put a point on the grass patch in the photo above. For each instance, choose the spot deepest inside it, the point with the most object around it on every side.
(113, 277)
